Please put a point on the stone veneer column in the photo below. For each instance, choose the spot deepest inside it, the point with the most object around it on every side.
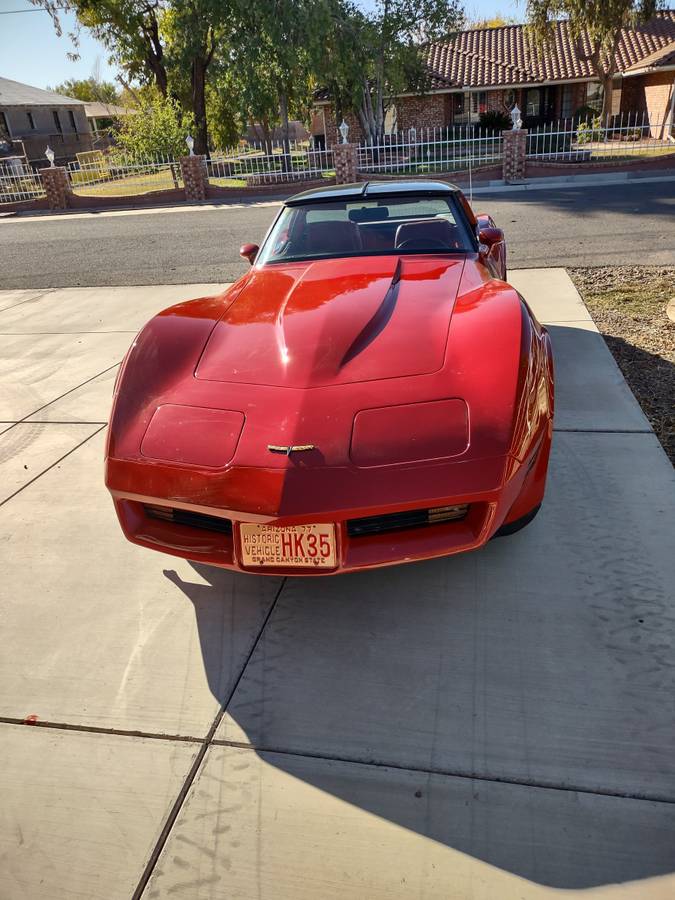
(195, 177)
(57, 186)
(345, 160)
(515, 148)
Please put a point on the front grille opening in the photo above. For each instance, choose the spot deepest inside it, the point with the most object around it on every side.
(191, 519)
(400, 521)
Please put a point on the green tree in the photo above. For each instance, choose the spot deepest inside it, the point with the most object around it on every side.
(194, 30)
(379, 53)
(164, 42)
(601, 21)
(157, 128)
(277, 60)
(89, 90)
(128, 29)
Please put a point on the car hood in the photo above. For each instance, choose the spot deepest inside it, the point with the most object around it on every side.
(335, 321)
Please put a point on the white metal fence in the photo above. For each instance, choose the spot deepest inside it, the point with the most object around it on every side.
(270, 162)
(421, 151)
(19, 181)
(98, 175)
(623, 137)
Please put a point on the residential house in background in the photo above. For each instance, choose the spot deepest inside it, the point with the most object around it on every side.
(35, 118)
(102, 118)
(497, 68)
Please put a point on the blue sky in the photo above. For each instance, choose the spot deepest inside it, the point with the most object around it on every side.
(31, 52)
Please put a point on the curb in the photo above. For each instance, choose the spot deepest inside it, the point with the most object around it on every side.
(571, 181)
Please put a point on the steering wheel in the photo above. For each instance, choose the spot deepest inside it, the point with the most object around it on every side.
(422, 244)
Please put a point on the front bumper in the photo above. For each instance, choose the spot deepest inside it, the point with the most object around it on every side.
(489, 487)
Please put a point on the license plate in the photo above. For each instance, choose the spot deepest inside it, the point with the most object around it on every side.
(306, 546)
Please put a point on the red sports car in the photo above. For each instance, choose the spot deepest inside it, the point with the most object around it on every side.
(371, 392)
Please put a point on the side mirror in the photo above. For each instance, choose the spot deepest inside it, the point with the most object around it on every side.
(249, 252)
(488, 237)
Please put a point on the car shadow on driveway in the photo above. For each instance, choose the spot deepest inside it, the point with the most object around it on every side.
(390, 689)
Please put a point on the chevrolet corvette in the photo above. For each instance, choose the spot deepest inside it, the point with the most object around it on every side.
(372, 391)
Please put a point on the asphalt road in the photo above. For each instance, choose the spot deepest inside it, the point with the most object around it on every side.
(617, 224)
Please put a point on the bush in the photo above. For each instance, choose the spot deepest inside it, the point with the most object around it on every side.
(590, 132)
(157, 128)
(495, 120)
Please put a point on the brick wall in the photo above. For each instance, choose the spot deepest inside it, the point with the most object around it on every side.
(658, 89)
(649, 94)
(345, 157)
(57, 187)
(632, 96)
(429, 111)
(355, 134)
(513, 161)
(195, 179)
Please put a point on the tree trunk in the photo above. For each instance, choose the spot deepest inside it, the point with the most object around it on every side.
(161, 79)
(607, 86)
(285, 131)
(199, 105)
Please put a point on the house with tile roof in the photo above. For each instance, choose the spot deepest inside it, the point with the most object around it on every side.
(496, 68)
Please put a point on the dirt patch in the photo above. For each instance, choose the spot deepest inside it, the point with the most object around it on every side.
(628, 304)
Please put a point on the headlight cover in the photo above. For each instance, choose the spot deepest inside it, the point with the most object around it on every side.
(413, 432)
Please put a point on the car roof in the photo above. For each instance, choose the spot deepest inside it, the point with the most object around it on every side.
(371, 190)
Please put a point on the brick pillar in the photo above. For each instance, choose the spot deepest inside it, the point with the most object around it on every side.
(57, 186)
(195, 177)
(515, 148)
(345, 159)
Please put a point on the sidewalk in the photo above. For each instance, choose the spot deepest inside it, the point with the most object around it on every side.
(493, 726)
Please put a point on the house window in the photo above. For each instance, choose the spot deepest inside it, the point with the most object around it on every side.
(509, 99)
(594, 96)
(478, 104)
(390, 121)
(57, 121)
(533, 102)
(31, 120)
(71, 119)
(468, 106)
(567, 102)
(4, 126)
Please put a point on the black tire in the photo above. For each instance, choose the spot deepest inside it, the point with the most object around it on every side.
(518, 525)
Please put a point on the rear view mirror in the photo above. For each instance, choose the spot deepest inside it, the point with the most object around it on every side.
(249, 252)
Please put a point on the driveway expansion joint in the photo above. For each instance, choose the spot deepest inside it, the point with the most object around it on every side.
(52, 465)
(100, 729)
(449, 773)
(199, 759)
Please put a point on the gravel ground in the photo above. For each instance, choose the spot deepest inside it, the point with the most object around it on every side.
(628, 304)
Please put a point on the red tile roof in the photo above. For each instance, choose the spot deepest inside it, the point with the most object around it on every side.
(493, 57)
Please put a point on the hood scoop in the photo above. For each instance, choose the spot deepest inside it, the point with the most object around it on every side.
(335, 322)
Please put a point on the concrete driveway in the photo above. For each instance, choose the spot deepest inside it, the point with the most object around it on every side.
(493, 726)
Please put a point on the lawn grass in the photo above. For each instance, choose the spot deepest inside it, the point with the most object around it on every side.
(131, 186)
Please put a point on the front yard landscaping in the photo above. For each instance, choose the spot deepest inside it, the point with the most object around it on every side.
(628, 304)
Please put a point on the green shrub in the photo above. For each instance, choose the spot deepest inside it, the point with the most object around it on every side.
(588, 132)
(158, 128)
(495, 120)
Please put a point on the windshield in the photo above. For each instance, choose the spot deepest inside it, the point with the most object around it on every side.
(366, 228)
